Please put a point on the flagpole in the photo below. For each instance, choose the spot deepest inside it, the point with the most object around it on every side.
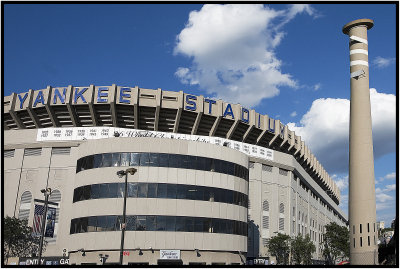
(47, 193)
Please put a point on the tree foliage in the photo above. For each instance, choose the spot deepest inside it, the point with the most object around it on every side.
(302, 249)
(279, 246)
(18, 239)
(336, 243)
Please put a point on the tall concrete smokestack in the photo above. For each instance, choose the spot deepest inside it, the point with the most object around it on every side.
(362, 206)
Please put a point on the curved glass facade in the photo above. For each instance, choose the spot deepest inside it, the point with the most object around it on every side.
(158, 223)
(161, 160)
(160, 190)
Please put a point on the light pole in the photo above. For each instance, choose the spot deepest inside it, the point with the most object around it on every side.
(47, 193)
(120, 174)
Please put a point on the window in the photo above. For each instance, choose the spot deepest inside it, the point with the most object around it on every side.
(132, 189)
(170, 220)
(360, 228)
(135, 159)
(151, 223)
(97, 161)
(125, 159)
(116, 159)
(369, 241)
(354, 242)
(141, 223)
(265, 223)
(142, 190)
(9, 153)
(107, 160)
(368, 231)
(152, 190)
(171, 191)
(162, 191)
(61, 151)
(283, 172)
(282, 208)
(265, 205)
(360, 241)
(25, 205)
(267, 168)
(33, 152)
(354, 229)
(281, 224)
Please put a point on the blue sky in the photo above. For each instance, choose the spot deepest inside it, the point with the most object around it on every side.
(290, 62)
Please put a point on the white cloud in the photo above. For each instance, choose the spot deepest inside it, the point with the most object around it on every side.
(232, 48)
(382, 197)
(381, 62)
(391, 187)
(391, 175)
(317, 86)
(325, 129)
(342, 182)
(293, 114)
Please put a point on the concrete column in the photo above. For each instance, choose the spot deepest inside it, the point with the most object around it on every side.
(362, 206)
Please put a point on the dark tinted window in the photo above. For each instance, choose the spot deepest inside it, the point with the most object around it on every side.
(170, 223)
(111, 223)
(144, 159)
(101, 223)
(173, 160)
(86, 193)
(107, 159)
(181, 191)
(161, 223)
(103, 193)
(192, 162)
(189, 224)
(120, 190)
(132, 189)
(125, 159)
(154, 159)
(163, 159)
(82, 227)
(141, 223)
(135, 157)
(131, 223)
(162, 190)
(97, 162)
(171, 191)
(152, 190)
(198, 225)
(180, 224)
(116, 159)
(142, 190)
(151, 223)
(112, 190)
(95, 191)
(89, 162)
(201, 163)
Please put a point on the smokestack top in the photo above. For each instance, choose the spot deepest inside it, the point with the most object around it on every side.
(367, 22)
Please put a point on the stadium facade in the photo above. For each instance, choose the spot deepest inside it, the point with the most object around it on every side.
(214, 180)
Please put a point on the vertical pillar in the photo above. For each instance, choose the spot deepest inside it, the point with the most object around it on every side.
(362, 206)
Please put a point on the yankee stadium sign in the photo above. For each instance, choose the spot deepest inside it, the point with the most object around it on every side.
(118, 95)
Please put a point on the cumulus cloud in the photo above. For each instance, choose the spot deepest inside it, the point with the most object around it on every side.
(341, 182)
(381, 62)
(388, 176)
(383, 197)
(325, 129)
(232, 48)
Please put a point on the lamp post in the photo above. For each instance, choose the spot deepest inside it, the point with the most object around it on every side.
(120, 174)
(47, 193)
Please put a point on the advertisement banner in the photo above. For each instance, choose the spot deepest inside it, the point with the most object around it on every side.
(84, 133)
(50, 222)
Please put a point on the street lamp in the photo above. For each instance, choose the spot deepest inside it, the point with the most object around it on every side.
(103, 258)
(47, 193)
(120, 174)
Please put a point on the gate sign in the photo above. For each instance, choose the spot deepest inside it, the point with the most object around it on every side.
(170, 254)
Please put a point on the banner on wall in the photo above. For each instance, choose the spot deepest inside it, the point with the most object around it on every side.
(86, 133)
(50, 222)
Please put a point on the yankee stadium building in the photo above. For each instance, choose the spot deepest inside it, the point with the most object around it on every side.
(212, 181)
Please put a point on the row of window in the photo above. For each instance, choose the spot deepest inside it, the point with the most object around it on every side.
(159, 190)
(161, 160)
(354, 228)
(158, 223)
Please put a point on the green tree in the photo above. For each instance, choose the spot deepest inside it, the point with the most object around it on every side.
(302, 249)
(18, 239)
(336, 243)
(279, 246)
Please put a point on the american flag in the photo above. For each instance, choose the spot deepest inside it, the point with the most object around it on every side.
(37, 220)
